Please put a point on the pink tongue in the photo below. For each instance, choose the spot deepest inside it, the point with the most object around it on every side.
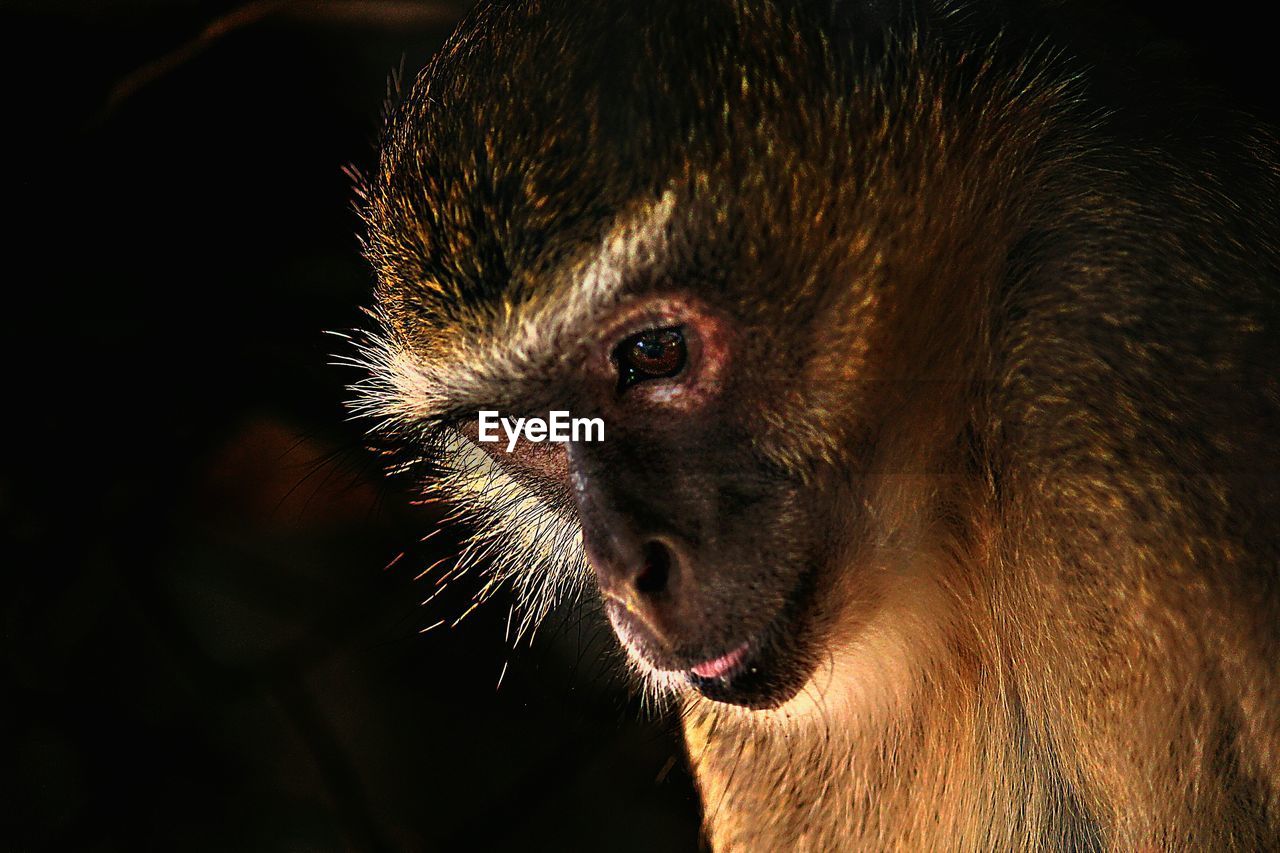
(719, 666)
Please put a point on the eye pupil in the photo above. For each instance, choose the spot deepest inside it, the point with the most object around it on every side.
(652, 354)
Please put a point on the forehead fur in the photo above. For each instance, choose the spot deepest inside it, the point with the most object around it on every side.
(786, 143)
(540, 121)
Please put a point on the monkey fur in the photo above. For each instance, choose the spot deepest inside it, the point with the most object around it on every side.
(979, 428)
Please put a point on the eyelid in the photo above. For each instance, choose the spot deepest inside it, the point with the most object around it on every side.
(631, 336)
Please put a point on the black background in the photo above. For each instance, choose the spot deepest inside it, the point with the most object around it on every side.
(201, 647)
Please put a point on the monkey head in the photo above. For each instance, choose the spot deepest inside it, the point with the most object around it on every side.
(754, 258)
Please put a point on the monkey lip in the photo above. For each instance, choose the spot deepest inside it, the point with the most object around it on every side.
(771, 666)
(722, 666)
(762, 672)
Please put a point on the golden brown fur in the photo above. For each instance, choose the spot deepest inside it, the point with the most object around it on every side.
(1045, 377)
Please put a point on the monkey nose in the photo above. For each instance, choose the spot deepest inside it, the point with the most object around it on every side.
(657, 562)
(646, 582)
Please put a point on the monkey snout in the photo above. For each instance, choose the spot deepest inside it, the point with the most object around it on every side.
(643, 577)
(641, 532)
(649, 586)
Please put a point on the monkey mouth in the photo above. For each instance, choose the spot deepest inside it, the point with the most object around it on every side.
(721, 667)
(760, 673)
(767, 670)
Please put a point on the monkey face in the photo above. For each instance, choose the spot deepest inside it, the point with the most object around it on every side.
(671, 503)
(704, 273)
(708, 557)
(709, 546)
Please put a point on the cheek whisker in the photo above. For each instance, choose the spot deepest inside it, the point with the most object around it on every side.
(428, 569)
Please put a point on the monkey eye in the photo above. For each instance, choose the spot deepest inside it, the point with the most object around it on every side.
(651, 354)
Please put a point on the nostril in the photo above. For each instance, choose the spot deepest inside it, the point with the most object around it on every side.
(656, 569)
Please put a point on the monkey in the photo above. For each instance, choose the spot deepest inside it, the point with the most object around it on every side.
(935, 345)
